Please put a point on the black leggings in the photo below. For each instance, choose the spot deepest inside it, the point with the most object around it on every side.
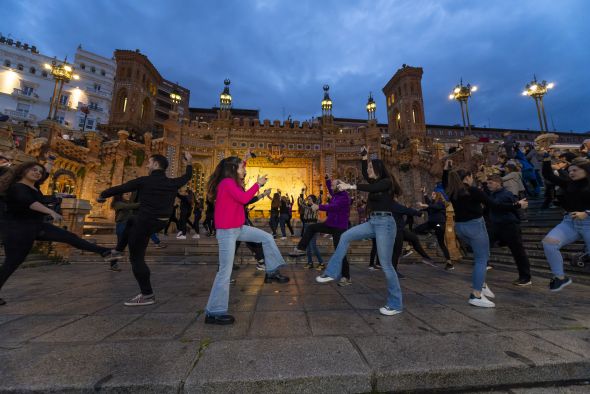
(439, 231)
(137, 233)
(312, 229)
(401, 235)
(19, 239)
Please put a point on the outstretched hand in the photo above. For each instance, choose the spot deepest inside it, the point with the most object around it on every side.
(262, 179)
(187, 156)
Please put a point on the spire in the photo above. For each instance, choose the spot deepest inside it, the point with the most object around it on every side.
(225, 96)
(326, 102)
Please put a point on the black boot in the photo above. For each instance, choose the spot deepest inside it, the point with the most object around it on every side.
(220, 319)
(276, 277)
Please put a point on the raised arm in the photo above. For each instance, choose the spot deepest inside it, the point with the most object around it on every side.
(131, 186)
(381, 185)
(550, 176)
(329, 186)
(483, 198)
(184, 179)
(238, 194)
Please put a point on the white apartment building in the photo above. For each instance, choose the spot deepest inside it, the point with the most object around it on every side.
(26, 86)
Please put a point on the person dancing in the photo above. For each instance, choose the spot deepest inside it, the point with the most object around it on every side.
(338, 210)
(156, 198)
(25, 217)
(226, 188)
(437, 219)
(382, 188)
(470, 227)
(575, 223)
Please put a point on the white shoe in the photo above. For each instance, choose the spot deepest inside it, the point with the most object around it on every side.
(179, 234)
(181, 237)
(196, 236)
(323, 279)
(481, 302)
(387, 311)
(283, 238)
(485, 290)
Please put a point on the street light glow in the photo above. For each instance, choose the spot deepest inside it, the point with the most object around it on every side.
(47, 66)
(550, 85)
(474, 88)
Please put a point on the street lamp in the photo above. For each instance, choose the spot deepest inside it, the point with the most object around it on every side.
(537, 90)
(371, 107)
(62, 73)
(461, 94)
(176, 99)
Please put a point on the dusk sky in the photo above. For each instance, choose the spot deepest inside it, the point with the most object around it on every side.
(278, 54)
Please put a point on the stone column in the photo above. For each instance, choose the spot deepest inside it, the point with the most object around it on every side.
(74, 212)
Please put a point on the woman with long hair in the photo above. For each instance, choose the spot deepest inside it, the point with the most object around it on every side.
(225, 188)
(470, 226)
(26, 218)
(382, 188)
(576, 222)
(435, 206)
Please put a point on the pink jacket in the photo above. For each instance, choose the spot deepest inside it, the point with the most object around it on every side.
(229, 204)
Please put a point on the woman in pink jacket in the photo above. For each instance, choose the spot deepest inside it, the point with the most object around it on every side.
(226, 189)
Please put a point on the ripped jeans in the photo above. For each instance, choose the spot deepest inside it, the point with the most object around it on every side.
(565, 233)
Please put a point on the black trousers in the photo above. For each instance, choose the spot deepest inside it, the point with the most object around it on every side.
(549, 195)
(208, 224)
(511, 236)
(20, 236)
(274, 222)
(196, 224)
(255, 248)
(138, 232)
(184, 222)
(439, 231)
(312, 229)
(401, 235)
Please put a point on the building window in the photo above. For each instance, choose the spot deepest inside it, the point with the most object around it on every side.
(82, 66)
(20, 67)
(89, 124)
(261, 145)
(44, 74)
(23, 109)
(27, 90)
(93, 105)
(81, 123)
(60, 117)
(6, 63)
(124, 104)
(97, 87)
(103, 73)
(93, 69)
(63, 100)
(32, 70)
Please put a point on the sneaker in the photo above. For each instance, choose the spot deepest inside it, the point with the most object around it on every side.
(115, 267)
(283, 238)
(260, 266)
(179, 233)
(481, 302)
(407, 253)
(323, 279)
(196, 236)
(371, 268)
(296, 253)
(387, 311)
(161, 246)
(557, 284)
(320, 267)
(489, 267)
(486, 291)
(308, 266)
(522, 282)
(181, 237)
(112, 256)
(141, 300)
(449, 267)
(276, 277)
(344, 282)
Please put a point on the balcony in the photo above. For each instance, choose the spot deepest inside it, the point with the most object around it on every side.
(28, 95)
(98, 93)
(20, 115)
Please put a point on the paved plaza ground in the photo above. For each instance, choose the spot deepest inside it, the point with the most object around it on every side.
(65, 329)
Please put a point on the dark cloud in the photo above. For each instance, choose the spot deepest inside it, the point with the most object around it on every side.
(279, 54)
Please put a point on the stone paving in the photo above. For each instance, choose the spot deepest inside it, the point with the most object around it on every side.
(65, 329)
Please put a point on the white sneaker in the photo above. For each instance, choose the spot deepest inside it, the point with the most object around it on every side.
(323, 279)
(485, 290)
(481, 302)
(181, 236)
(283, 238)
(387, 311)
(196, 236)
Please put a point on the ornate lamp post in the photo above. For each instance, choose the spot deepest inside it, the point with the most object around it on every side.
(371, 107)
(62, 73)
(461, 94)
(225, 97)
(537, 90)
(326, 102)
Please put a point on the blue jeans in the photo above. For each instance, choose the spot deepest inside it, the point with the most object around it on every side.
(475, 234)
(565, 233)
(312, 249)
(383, 229)
(219, 297)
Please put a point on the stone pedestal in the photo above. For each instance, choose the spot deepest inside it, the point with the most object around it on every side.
(450, 236)
(74, 212)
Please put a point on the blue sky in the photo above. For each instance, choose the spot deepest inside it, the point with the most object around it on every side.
(278, 54)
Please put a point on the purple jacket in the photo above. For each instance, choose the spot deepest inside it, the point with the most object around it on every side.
(338, 209)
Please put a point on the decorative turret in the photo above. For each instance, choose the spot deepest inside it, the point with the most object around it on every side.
(326, 103)
(225, 97)
(371, 107)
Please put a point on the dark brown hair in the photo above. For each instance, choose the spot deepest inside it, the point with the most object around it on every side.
(19, 172)
(455, 186)
(226, 168)
(383, 173)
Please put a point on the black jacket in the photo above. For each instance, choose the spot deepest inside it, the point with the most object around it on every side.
(156, 192)
(503, 196)
(437, 211)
